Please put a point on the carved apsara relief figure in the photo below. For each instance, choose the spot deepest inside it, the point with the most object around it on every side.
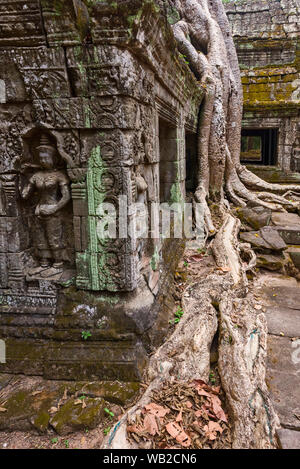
(51, 186)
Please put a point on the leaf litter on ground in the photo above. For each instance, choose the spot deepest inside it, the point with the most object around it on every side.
(182, 416)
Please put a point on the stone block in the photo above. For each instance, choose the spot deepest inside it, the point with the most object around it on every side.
(294, 253)
(288, 439)
(283, 370)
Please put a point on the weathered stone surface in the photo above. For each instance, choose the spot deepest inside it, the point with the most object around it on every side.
(285, 219)
(289, 439)
(272, 237)
(290, 234)
(283, 320)
(74, 416)
(267, 238)
(256, 217)
(283, 379)
(86, 95)
(283, 295)
(294, 253)
(35, 404)
(270, 262)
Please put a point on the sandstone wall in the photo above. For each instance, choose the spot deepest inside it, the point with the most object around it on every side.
(98, 78)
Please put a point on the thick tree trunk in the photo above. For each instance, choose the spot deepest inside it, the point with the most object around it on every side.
(204, 37)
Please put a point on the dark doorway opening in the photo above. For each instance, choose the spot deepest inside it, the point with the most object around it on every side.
(259, 146)
(168, 167)
(191, 162)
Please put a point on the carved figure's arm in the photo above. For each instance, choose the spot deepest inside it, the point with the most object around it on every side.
(66, 196)
(28, 189)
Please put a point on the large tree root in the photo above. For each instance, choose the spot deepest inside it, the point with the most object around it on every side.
(218, 303)
(203, 36)
(242, 356)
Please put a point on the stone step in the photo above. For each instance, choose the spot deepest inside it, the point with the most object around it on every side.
(283, 296)
(285, 219)
(294, 252)
(288, 439)
(267, 238)
(270, 261)
(283, 378)
(274, 174)
(290, 234)
(282, 319)
(288, 226)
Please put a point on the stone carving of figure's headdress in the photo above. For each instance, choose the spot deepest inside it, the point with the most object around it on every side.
(45, 143)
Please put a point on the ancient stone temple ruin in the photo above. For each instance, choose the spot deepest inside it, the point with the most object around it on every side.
(95, 102)
(266, 35)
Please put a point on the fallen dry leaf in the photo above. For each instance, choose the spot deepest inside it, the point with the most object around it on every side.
(217, 408)
(176, 432)
(150, 425)
(201, 392)
(156, 409)
(2, 409)
(179, 417)
(211, 430)
(35, 393)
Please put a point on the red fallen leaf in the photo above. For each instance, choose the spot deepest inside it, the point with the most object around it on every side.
(176, 432)
(215, 400)
(189, 404)
(211, 430)
(201, 392)
(150, 425)
(217, 409)
(199, 382)
(195, 258)
(184, 440)
(156, 409)
(173, 429)
(216, 389)
(133, 429)
(179, 417)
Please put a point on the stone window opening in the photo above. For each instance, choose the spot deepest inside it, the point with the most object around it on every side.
(259, 146)
(168, 167)
(191, 162)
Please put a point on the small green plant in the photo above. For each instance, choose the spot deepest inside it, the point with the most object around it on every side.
(212, 377)
(184, 57)
(85, 335)
(178, 315)
(185, 263)
(54, 441)
(106, 431)
(201, 250)
(82, 397)
(67, 444)
(109, 412)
